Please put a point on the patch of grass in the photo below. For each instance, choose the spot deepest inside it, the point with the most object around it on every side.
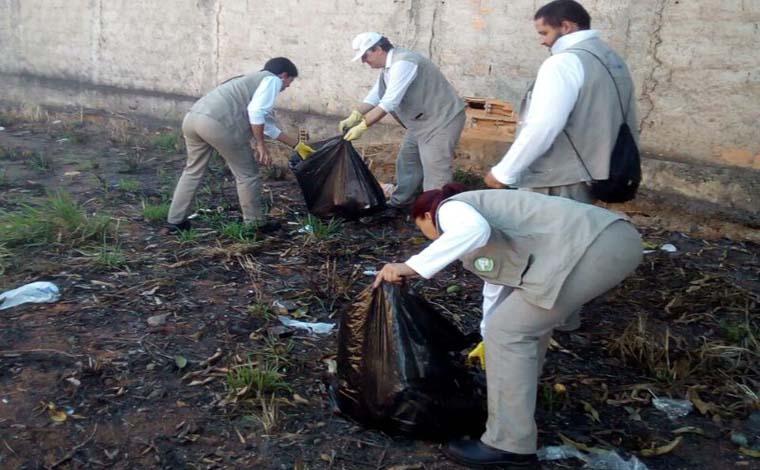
(255, 380)
(3, 177)
(75, 132)
(261, 309)
(109, 257)
(38, 161)
(59, 219)
(187, 236)
(155, 212)
(468, 178)
(129, 185)
(316, 228)
(120, 132)
(239, 231)
(168, 142)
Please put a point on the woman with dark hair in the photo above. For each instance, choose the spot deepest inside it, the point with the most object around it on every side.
(541, 258)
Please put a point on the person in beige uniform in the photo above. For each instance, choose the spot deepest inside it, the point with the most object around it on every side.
(414, 91)
(226, 119)
(540, 257)
(571, 114)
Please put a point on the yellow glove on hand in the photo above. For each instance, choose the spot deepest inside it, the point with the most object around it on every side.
(478, 354)
(356, 131)
(303, 150)
(353, 119)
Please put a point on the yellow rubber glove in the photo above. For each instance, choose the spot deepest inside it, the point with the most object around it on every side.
(353, 119)
(478, 354)
(356, 131)
(303, 150)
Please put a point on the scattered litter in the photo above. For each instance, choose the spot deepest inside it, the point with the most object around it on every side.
(72, 173)
(60, 141)
(672, 407)
(370, 272)
(316, 328)
(601, 459)
(35, 292)
(667, 247)
(284, 306)
(157, 320)
(306, 229)
(2, 128)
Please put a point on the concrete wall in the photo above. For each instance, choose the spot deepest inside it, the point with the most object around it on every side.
(695, 63)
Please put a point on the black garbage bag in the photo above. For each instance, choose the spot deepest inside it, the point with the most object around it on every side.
(336, 182)
(399, 369)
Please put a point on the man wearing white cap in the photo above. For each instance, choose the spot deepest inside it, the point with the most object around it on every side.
(414, 91)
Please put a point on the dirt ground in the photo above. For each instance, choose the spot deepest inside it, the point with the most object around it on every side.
(146, 360)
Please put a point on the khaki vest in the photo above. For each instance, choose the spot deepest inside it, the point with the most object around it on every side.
(430, 101)
(535, 242)
(228, 103)
(592, 125)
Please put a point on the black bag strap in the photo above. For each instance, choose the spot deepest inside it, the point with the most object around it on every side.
(623, 111)
(617, 89)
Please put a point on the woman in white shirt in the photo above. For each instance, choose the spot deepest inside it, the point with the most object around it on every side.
(541, 258)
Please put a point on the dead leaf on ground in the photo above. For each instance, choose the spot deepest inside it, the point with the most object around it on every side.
(662, 449)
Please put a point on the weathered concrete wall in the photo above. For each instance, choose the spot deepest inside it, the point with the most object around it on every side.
(695, 63)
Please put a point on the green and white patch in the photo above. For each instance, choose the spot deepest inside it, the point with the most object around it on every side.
(484, 264)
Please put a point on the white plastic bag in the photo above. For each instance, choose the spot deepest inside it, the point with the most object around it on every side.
(36, 292)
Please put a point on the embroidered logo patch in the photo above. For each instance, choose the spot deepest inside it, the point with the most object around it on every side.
(483, 264)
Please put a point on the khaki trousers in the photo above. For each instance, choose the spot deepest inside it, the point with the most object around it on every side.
(426, 164)
(517, 335)
(577, 192)
(202, 135)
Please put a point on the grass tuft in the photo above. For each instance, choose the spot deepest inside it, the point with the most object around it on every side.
(169, 142)
(155, 212)
(318, 229)
(129, 185)
(239, 231)
(255, 380)
(59, 219)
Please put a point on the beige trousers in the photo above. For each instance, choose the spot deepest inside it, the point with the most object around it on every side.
(577, 192)
(202, 135)
(518, 333)
(426, 164)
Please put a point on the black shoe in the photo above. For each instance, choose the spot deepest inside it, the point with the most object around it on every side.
(174, 228)
(393, 212)
(474, 453)
(267, 226)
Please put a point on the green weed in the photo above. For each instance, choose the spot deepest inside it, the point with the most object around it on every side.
(3, 177)
(239, 231)
(134, 160)
(318, 229)
(5, 259)
(38, 161)
(59, 219)
(255, 380)
(261, 309)
(169, 142)
(187, 236)
(109, 257)
(155, 212)
(129, 185)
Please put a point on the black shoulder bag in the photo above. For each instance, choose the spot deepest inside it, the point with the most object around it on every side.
(625, 162)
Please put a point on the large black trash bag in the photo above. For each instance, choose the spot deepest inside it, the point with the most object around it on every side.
(399, 371)
(336, 182)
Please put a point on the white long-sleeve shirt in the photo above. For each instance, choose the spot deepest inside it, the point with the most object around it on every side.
(558, 83)
(398, 76)
(463, 230)
(262, 103)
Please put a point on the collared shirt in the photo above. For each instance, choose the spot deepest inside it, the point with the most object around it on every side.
(398, 76)
(261, 105)
(558, 83)
(463, 230)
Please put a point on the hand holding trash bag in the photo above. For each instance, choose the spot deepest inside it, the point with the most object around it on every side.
(394, 273)
(303, 150)
(357, 131)
(353, 119)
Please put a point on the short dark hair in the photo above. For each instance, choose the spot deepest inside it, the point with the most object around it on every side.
(432, 198)
(383, 44)
(279, 65)
(554, 13)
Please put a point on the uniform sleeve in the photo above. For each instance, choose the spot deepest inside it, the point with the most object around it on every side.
(373, 97)
(464, 230)
(554, 95)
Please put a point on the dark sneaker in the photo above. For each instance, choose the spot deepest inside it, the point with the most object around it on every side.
(174, 228)
(474, 453)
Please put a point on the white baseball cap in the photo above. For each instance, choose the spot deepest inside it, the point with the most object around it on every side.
(362, 42)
